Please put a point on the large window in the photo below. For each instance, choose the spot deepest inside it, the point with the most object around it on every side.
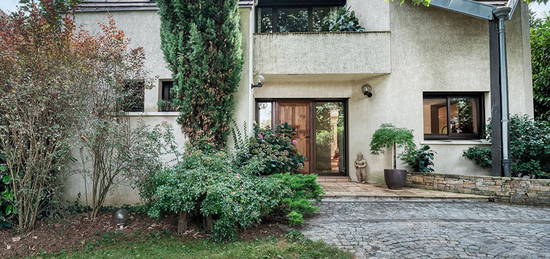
(295, 15)
(453, 115)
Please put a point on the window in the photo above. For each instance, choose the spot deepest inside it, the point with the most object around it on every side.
(295, 15)
(292, 19)
(133, 99)
(453, 115)
(264, 114)
(166, 96)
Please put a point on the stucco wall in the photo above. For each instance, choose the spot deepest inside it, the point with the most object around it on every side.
(431, 50)
(143, 30)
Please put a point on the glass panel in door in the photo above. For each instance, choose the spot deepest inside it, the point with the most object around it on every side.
(329, 142)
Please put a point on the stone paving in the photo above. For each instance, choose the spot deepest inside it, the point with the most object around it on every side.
(431, 228)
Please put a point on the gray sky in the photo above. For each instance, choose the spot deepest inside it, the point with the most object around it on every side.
(540, 9)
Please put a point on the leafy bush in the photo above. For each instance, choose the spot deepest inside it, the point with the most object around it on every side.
(343, 19)
(529, 148)
(270, 151)
(304, 190)
(7, 208)
(540, 58)
(388, 136)
(421, 160)
(207, 184)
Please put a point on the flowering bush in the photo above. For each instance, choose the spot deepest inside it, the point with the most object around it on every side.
(270, 151)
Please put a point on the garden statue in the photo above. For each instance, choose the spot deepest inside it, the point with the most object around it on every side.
(120, 218)
(361, 168)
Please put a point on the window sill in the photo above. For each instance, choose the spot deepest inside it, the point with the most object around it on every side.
(151, 114)
(456, 142)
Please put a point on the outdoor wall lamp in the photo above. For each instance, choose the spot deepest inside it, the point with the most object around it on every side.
(367, 90)
(258, 81)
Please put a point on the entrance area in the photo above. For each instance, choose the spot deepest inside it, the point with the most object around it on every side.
(320, 130)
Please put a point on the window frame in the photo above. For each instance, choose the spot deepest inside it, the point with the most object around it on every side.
(275, 16)
(161, 95)
(457, 136)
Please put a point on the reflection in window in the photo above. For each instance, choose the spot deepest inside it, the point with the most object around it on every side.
(329, 137)
(307, 19)
(265, 114)
(452, 116)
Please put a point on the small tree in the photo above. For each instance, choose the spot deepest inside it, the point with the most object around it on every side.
(388, 136)
(201, 42)
(41, 78)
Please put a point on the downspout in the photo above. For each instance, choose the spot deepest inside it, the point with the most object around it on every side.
(501, 14)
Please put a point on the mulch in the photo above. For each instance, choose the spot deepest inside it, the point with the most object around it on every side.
(75, 231)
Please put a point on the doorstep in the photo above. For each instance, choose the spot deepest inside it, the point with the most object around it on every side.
(338, 187)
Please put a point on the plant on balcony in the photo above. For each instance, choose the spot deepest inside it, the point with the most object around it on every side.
(201, 42)
(343, 19)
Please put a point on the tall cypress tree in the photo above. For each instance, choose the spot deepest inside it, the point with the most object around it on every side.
(201, 42)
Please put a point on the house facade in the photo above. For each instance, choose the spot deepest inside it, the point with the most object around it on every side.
(421, 68)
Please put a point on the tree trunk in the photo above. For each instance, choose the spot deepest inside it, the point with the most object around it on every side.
(183, 222)
(208, 223)
(394, 156)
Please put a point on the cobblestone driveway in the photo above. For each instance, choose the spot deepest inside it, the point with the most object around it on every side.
(432, 228)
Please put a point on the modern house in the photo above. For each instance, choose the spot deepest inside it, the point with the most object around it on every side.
(423, 68)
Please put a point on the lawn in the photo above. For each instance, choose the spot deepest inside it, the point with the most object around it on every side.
(113, 245)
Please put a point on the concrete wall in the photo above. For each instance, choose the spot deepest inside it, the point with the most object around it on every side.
(322, 53)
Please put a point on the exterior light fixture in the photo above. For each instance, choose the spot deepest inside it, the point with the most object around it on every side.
(258, 81)
(120, 218)
(367, 90)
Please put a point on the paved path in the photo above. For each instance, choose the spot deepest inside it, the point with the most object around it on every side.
(393, 228)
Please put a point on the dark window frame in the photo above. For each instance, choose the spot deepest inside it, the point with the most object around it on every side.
(480, 96)
(275, 16)
(164, 98)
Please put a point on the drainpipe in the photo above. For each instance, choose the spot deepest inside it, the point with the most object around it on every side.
(501, 14)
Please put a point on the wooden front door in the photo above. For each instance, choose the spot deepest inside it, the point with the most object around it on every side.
(298, 115)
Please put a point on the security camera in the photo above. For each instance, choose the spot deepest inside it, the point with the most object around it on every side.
(367, 90)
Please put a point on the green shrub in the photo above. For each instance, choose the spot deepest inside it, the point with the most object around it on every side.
(7, 208)
(421, 160)
(529, 148)
(388, 136)
(208, 184)
(270, 151)
(304, 191)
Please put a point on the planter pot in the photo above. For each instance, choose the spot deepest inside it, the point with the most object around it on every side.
(395, 178)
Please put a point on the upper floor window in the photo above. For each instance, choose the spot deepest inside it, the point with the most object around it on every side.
(453, 115)
(166, 96)
(295, 16)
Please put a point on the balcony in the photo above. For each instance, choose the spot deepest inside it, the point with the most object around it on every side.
(322, 53)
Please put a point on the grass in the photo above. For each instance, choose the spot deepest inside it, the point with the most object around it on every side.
(113, 245)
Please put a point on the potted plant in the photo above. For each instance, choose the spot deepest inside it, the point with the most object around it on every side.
(388, 136)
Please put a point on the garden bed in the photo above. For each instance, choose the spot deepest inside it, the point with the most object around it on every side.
(77, 232)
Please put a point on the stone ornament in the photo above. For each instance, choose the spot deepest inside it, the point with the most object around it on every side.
(361, 168)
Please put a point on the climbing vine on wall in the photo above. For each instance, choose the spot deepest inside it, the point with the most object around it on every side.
(201, 42)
